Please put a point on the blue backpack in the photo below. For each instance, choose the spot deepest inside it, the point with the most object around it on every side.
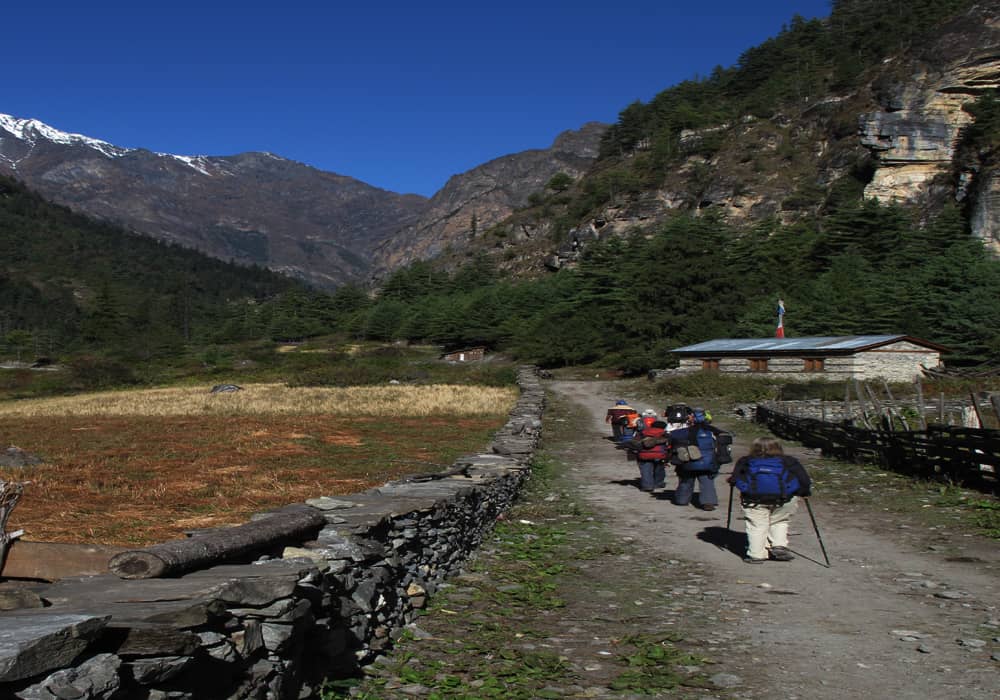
(767, 481)
(705, 440)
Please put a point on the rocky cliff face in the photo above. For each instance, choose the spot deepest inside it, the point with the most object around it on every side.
(894, 139)
(253, 208)
(474, 201)
(914, 133)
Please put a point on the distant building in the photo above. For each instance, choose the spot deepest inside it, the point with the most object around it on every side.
(896, 358)
(466, 355)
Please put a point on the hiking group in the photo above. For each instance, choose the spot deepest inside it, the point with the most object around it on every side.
(770, 483)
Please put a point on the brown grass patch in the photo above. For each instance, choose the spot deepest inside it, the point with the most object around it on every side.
(389, 401)
(133, 480)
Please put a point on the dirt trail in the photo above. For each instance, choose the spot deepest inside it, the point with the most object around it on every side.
(889, 619)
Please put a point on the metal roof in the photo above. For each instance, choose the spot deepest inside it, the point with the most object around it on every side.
(844, 344)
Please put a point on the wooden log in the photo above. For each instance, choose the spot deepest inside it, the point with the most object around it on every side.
(890, 409)
(862, 404)
(975, 407)
(292, 523)
(51, 561)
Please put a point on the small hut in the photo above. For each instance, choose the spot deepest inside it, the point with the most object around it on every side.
(473, 354)
(896, 358)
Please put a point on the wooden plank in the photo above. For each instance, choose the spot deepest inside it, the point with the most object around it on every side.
(51, 561)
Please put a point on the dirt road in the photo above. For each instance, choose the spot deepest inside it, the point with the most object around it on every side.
(891, 617)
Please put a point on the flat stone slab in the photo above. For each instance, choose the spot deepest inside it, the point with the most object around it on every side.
(31, 645)
(188, 601)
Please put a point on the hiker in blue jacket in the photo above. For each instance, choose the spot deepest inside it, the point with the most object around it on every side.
(699, 434)
(770, 483)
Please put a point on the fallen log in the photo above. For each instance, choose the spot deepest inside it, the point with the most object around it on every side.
(295, 523)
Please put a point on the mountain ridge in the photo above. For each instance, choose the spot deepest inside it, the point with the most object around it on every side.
(255, 207)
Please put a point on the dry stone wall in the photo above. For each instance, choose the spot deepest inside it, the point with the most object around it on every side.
(277, 627)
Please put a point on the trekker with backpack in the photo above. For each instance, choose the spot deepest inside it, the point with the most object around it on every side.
(652, 450)
(676, 416)
(695, 455)
(618, 416)
(770, 483)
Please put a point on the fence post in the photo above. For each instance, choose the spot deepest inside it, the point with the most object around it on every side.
(848, 411)
(920, 403)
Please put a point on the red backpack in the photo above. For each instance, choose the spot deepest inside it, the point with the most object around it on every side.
(655, 444)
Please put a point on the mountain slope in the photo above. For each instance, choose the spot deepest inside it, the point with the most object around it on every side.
(474, 201)
(71, 282)
(860, 105)
(259, 208)
(253, 208)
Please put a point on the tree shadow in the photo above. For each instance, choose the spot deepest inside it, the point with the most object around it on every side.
(724, 538)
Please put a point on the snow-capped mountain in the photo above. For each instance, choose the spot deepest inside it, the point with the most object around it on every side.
(253, 208)
(259, 208)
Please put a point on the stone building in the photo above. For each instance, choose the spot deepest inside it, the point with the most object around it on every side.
(465, 355)
(896, 358)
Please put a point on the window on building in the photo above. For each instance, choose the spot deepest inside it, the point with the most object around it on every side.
(710, 365)
(813, 364)
(758, 364)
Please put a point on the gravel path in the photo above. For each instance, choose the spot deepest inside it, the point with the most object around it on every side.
(891, 618)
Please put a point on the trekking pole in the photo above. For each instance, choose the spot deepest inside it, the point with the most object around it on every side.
(729, 515)
(816, 528)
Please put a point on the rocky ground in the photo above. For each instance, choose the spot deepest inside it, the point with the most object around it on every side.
(592, 588)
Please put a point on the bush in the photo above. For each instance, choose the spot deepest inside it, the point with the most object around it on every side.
(707, 385)
(802, 391)
(92, 372)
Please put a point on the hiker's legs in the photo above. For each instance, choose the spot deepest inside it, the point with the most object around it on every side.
(777, 534)
(659, 474)
(706, 486)
(684, 490)
(646, 482)
(758, 521)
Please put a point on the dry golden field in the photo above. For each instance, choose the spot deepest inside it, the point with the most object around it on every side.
(137, 467)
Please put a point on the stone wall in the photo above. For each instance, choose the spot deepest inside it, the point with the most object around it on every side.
(274, 628)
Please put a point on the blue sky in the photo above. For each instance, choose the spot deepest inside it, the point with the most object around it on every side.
(401, 95)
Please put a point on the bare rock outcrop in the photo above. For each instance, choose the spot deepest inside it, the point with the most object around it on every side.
(915, 134)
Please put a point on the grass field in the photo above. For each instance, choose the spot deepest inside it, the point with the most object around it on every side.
(138, 467)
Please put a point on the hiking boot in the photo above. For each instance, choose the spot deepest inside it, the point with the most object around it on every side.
(753, 560)
(780, 554)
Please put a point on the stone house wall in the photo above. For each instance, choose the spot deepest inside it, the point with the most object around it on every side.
(897, 362)
(277, 627)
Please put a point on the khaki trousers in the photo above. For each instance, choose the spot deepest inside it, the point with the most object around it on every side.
(767, 526)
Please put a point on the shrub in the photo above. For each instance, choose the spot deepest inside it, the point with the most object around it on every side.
(92, 372)
(701, 385)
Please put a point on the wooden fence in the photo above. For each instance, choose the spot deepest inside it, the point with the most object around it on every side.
(966, 456)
